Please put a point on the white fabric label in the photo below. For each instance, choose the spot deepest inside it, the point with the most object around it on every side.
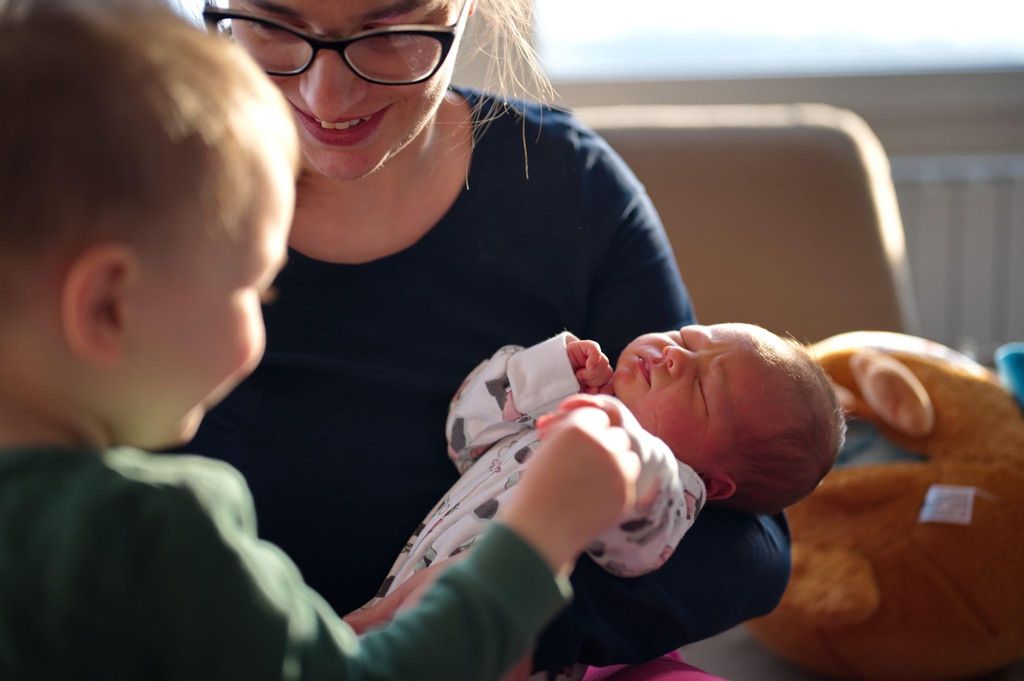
(953, 504)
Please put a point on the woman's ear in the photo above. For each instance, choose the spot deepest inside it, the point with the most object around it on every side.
(93, 301)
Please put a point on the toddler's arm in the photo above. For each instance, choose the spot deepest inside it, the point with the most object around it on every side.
(216, 602)
(669, 496)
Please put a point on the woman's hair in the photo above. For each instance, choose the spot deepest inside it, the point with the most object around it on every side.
(503, 33)
(120, 119)
(502, 36)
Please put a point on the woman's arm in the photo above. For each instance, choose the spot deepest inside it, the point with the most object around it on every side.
(728, 568)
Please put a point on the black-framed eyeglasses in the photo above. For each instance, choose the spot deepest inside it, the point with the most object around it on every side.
(394, 55)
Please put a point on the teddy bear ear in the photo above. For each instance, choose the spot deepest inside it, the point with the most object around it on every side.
(845, 397)
(893, 393)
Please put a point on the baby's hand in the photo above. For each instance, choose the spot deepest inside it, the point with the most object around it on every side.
(591, 366)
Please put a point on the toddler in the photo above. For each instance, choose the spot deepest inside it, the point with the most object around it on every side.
(147, 182)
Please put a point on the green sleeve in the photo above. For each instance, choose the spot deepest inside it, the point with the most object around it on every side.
(219, 603)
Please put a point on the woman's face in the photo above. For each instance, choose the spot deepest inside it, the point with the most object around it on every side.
(349, 127)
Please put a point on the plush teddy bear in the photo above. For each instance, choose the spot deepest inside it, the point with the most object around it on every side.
(908, 560)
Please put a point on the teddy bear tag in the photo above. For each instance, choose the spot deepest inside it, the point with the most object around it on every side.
(953, 504)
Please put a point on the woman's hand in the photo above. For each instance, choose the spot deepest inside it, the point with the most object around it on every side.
(403, 596)
(407, 595)
(522, 670)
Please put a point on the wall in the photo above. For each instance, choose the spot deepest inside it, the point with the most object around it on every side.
(956, 141)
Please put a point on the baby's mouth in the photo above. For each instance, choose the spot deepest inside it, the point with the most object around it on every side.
(645, 369)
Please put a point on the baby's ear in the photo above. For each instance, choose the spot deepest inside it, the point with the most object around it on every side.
(719, 486)
(93, 301)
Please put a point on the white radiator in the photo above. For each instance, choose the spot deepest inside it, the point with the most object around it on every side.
(964, 223)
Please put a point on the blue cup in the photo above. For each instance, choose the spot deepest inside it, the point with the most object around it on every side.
(1010, 364)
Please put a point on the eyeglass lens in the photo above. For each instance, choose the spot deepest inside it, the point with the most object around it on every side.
(393, 58)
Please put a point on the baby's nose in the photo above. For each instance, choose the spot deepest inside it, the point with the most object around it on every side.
(674, 358)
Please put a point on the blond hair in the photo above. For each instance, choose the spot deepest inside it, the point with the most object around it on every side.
(121, 119)
(503, 35)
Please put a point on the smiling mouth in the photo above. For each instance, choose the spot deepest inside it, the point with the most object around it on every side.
(342, 125)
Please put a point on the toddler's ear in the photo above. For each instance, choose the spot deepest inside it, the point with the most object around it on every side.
(93, 302)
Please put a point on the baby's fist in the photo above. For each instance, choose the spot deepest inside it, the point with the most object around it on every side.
(592, 368)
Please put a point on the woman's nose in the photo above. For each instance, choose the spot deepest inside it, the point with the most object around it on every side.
(330, 89)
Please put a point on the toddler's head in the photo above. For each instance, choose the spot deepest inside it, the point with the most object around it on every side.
(751, 412)
(147, 182)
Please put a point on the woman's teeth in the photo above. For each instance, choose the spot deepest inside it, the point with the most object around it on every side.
(342, 125)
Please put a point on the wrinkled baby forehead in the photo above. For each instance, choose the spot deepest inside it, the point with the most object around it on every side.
(767, 346)
(776, 368)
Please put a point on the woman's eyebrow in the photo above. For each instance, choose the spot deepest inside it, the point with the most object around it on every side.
(393, 9)
(274, 8)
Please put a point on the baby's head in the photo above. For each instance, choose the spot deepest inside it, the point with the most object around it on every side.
(147, 182)
(751, 412)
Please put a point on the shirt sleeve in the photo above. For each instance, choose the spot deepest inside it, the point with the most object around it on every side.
(219, 603)
(730, 566)
(505, 394)
(669, 497)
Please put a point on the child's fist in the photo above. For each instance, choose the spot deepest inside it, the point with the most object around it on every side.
(592, 368)
(580, 482)
(618, 414)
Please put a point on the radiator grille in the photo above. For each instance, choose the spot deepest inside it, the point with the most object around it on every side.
(964, 223)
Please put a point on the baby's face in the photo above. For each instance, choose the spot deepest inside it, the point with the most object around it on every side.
(694, 387)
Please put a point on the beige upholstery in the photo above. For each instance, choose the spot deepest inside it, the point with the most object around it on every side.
(784, 216)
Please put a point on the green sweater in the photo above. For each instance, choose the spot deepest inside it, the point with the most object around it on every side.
(126, 565)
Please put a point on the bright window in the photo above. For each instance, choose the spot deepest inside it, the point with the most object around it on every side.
(584, 39)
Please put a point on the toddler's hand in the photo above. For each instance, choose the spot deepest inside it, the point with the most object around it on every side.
(618, 414)
(591, 366)
(580, 481)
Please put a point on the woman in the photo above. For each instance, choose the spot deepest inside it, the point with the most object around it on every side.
(445, 247)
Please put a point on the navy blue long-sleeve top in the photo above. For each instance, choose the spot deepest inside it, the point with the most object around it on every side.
(340, 431)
